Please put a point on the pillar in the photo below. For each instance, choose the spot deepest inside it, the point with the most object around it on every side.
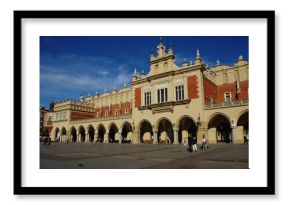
(155, 138)
(120, 136)
(175, 133)
(87, 136)
(211, 135)
(240, 134)
(234, 130)
(96, 136)
(135, 137)
(106, 137)
(78, 137)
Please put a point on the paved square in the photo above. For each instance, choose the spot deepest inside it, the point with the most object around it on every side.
(144, 156)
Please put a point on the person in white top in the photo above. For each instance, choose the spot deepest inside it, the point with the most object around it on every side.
(204, 145)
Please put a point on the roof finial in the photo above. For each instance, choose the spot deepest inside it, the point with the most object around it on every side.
(197, 55)
(241, 58)
(218, 63)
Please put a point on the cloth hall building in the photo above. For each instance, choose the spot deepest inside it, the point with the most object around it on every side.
(162, 106)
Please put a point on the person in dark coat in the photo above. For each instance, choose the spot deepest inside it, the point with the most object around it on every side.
(190, 141)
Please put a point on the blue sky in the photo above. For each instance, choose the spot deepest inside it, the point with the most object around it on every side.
(71, 66)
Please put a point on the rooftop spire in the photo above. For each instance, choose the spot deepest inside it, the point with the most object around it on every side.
(197, 55)
(241, 58)
(218, 63)
(198, 59)
(160, 48)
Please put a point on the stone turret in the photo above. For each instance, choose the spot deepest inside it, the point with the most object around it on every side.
(161, 48)
(241, 61)
(198, 60)
(143, 74)
(135, 75)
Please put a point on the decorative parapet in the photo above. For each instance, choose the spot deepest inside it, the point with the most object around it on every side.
(226, 104)
(74, 105)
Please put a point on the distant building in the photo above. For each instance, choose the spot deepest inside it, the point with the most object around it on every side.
(162, 106)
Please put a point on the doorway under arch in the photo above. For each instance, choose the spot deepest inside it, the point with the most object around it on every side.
(126, 134)
(82, 132)
(186, 126)
(91, 132)
(113, 130)
(243, 124)
(73, 132)
(146, 132)
(219, 127)
(101, 133)
(165, 132)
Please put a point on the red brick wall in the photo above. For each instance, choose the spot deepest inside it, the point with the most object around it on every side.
(138, 97)
(232, 89)
(81, 115)
(192, 86)
(244, 95)
(222, 89)
(217, 92)
(210, 90)
(121, 109)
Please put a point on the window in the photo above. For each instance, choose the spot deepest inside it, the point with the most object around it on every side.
(162, 95)
(126, 111)
(106, 113)
(228, 97)
(97, 114)
(147, 98)
(116, 112)
(179, 91)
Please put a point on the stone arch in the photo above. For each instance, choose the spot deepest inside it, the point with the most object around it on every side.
(164, 131)
(146, 131)
(91, 132)
(101, 132)
(63, 134)
(113, 133)
(242, 133)
(82, 133)
(126, 132)
(219, 128)
(56, 134)
(73, 132)
(186, 124)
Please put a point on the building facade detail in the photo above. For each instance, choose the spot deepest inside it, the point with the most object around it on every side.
(162, 106)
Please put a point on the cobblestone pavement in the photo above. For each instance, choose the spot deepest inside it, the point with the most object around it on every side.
(144, 156)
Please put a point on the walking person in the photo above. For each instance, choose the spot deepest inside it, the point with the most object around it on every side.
(44, 142)
(194, 142)
(204, 144)
(190, 140)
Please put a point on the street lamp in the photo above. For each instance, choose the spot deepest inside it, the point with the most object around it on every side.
(198, 123)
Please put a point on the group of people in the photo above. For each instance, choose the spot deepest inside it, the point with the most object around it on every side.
(192, 143)
(46, 141)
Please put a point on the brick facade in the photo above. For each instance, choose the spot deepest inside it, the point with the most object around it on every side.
(192, 86)
(210, 91)
(137, 97)
(111, 112)
(81, 115)
(216, 93)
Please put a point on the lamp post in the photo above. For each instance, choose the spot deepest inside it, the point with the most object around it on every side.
(198, 123)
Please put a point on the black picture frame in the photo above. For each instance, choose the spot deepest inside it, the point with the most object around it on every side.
(19, 189)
